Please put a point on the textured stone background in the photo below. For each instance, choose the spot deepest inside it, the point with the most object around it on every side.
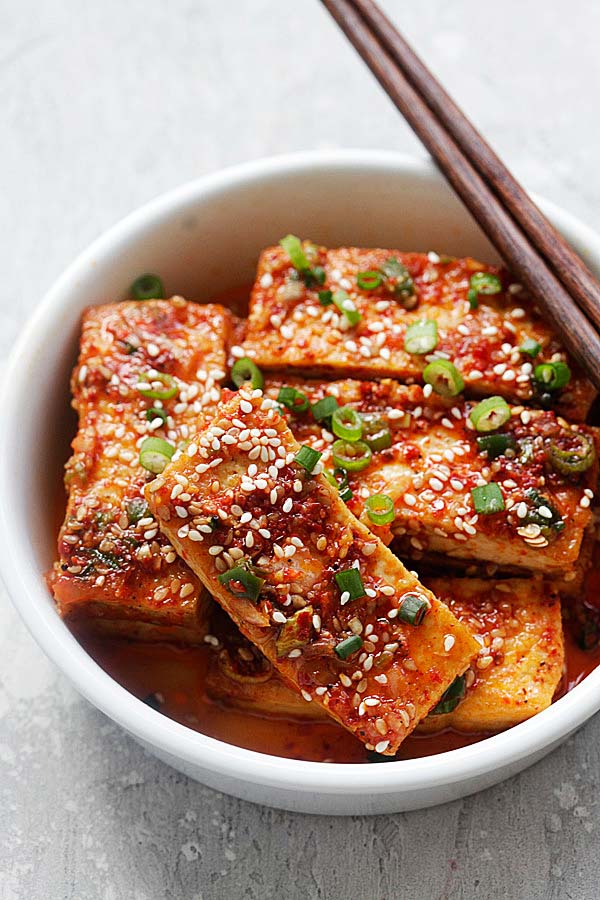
(102, 106)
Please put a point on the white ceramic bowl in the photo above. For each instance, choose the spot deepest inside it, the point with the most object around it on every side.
(204, 238)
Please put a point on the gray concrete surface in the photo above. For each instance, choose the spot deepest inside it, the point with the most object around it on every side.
(102, 106)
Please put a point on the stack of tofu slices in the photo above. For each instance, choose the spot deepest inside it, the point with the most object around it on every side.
(377, 413)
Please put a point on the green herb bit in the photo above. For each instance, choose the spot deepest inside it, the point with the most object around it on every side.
(421, 337)
(541, 512)
(349, 582)
(487, 499)
(292, 399)
(574, 458)
(369, 281)
(242, 583)
(325, 298)
(245, 370)
(376, 432)
(293, 247)
(451, 697)
(155, 413)
(324, 409)
(307, 458)
(552, 376)
(147, 287)
(380, 509)
(413, 608)
(137, 509)
(348, 646)
(399, 278)
(496, 444)
(530, 347)
(485, 283)
(490, 414)
(339, 479)
(354, 456)
(346, 423)
(347, 307)
(149, 385)
(444, 378)
(473, 298)
(155, 454)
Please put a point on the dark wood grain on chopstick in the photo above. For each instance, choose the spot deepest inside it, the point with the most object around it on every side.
(575, 330)
(568, 266)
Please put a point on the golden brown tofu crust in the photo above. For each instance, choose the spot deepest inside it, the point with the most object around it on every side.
(289, 328)
(433, 463)
(290, 528)
(113, 563)
(521, 659)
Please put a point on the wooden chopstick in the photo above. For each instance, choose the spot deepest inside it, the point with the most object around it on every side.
(567, 265)
(576, 331)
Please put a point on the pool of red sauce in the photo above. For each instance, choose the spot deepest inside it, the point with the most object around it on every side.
(177, 674)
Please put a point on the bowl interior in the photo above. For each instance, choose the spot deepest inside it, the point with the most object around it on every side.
(202, 239)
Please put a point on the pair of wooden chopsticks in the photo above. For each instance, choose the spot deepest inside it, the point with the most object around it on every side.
(563, 287)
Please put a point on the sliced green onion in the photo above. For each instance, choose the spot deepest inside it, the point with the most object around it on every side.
(473, 298)
(421, 337)
(292, 399)
(400, 277)
(347, 307)
(155, 454)
(350, 582)
(496, 444)
(530, 347)
(307, 458)
(339, 479)
(490, 414)
(137, 509)
(351, 455)
(293, 247)
(348, 646)
(451, 697)
(310, 277)
(487, 499)
(444, 378)
(549, 524)
(325, 298)
(574, 459)
(552, 376)
(485, 283)
(376, 432)
(380, 509)
(148, 388)
(324, 408)
(147, 287)
(242, 583)
(155, 413)
(369, 281)
(245, 370)
(346, 423)
(413, 608)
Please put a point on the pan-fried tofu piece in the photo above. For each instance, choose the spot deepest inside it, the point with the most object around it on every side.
(115, 569)
(435, 460)
(520, 663)
(307, 583)
(289, 327)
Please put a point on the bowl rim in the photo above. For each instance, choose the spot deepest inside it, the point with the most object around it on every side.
(28, 592)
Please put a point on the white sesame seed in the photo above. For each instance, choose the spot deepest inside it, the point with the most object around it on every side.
(382, 746)
(287, 506)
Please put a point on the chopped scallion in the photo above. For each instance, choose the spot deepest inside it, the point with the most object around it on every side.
(496, 444)
(293, 247)
(485, 283)
(155, 454)
(444, 378)
(487, 499)
(490, 414)
(351, 455)
(149, 385)
(348, 646)
(413, 608)
(324, 409)
(245, 370)
(530, 347)
(369, 281)
(347, 307)
(307, 458)
(552, 376)
(339, 479)
(380, 509)
(240, 582)
(346, 423)
(292, 399)
(147, 287)
(350, 582)
(451, 697)
(421, 337)
(376, 432)
(325, 298)
(155, 413)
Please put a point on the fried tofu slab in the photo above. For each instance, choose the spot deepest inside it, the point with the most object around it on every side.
(520, 664)
(149, 368)
(323, 599)
(483, 333)
(517, 623)
(433, 458)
